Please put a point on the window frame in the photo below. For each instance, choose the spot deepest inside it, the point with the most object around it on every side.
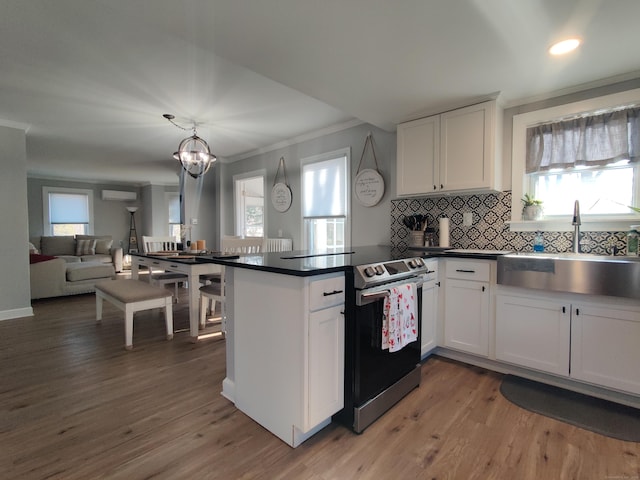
(170, 197)
(343, 152)
(238, 216)
(520, 179)
(46, 219)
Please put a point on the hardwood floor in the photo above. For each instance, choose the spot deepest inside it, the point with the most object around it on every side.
(75, 405)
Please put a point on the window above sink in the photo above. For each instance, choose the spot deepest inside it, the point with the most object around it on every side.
(603, 188)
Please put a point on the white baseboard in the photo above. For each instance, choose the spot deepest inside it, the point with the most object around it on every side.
(16, 313)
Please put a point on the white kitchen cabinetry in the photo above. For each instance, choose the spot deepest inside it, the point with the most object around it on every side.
(456, 151)
(418, 154)
(593, 342)
(467, 302)
(288, 342)
(533, 332)
(605, 346)
(430, 295)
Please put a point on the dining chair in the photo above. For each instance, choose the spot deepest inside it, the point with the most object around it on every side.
(245, 245)
(277, 245)
(162, 277)
(209, 295)
(213, 289)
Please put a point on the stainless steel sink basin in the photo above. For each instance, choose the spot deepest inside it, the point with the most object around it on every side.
(572, 272)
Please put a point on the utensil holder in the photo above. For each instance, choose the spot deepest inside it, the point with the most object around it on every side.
(416, 238)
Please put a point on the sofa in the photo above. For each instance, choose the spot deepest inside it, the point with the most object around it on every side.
(71, 265)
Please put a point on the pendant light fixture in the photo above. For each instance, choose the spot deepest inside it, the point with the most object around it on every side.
(193, 152)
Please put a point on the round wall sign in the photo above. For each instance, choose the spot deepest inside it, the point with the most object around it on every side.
(369, 187)
(281, 197)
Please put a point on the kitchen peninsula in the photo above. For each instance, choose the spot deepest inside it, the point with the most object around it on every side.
(285, 316)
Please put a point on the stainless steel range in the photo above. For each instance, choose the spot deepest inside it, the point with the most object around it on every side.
(375, 378)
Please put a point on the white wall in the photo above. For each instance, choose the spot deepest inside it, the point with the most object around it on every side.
(15, 298)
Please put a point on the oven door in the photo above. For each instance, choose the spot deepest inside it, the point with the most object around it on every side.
(376, 369)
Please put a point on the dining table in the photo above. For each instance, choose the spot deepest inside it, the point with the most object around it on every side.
(191, 265)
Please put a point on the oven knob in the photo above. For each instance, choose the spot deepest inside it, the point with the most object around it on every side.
(369, 272)
(419, 262)
(379, 270)
(412, 263)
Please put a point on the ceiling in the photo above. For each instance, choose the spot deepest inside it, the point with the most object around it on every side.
(90, 80)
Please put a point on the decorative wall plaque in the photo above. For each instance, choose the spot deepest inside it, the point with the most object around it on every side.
(281, 192)
(368, 186)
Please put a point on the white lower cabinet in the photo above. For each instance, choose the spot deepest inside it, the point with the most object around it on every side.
(590, 342)
(466, 310)
(430, 294)
(605, 346)
(288, 344)
(326, 364)
(533, 332)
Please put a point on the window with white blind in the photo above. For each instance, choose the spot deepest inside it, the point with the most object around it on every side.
(67, 211)
(325, 201)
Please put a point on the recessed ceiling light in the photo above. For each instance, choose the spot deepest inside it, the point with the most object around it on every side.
(565, 46)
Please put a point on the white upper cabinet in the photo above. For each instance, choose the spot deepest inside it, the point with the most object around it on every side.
(418, 156)
(456, 151)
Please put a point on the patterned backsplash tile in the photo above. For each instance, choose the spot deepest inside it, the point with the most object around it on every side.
(489, 229)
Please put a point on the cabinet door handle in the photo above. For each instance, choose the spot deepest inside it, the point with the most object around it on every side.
(441, 186)
(335, 292)
(437, 284)
(577, 311)
(465, 271)
(483, 288)
(564, 309)
(435, 187)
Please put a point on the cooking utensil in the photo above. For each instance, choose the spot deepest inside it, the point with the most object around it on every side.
(414, 222)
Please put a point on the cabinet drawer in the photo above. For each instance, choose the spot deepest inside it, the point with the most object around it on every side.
(326, 292)
(468, 270)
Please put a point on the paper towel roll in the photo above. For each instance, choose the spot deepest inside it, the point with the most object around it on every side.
(444, 231)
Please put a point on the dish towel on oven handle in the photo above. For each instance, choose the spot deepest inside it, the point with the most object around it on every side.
(399, 323)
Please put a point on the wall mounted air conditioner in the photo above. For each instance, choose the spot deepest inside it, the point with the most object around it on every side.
(119, 195)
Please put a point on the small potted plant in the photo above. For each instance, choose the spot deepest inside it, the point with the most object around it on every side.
(532, 209)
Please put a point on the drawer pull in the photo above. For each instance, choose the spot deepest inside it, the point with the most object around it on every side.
(465, 271)
(156, 263)
(335, 292)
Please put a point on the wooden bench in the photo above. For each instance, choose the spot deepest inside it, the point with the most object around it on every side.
(133, 296)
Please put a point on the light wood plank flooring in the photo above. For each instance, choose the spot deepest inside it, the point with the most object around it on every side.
(75, 405)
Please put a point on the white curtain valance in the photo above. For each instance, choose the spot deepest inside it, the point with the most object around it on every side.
(591, 141)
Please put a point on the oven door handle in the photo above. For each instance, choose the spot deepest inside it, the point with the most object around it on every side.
(363, 297)
(372, 297)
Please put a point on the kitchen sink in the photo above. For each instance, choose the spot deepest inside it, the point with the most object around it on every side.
(570, 272)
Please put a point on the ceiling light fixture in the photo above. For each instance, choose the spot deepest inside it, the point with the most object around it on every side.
(193, 152)
(565, 46)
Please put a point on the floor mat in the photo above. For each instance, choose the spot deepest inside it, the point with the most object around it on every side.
(600, 416)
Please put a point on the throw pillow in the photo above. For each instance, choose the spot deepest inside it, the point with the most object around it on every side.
(62, 245)
(32, 248)
(37, 258)
(85, 247)
(103, 247)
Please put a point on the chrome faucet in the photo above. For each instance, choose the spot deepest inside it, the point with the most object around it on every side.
(576, 227)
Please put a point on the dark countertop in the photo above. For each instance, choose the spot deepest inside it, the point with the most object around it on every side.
(304, 263)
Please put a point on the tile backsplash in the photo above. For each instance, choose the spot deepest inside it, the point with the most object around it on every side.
(489, 229)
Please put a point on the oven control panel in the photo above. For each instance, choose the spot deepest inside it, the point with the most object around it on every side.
(376, 273)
